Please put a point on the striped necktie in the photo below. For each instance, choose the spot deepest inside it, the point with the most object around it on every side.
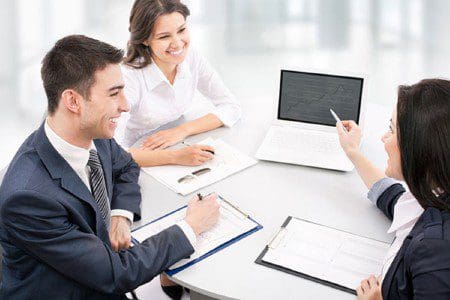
(98, 186)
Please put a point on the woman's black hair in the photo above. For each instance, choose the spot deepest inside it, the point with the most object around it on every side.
(423, 123)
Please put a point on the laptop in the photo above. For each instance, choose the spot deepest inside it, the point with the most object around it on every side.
(305, 131)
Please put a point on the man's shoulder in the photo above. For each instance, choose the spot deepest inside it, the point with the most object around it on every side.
(26, 170)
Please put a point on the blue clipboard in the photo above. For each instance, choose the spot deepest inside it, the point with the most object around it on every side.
(174, 271)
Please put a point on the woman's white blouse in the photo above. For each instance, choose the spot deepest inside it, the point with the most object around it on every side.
(407, 211)
(154, 101)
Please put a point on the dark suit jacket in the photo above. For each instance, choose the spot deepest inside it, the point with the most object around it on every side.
(421, 268)
(55, 243)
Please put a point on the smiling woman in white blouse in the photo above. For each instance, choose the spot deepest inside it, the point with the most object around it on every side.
(162, 73)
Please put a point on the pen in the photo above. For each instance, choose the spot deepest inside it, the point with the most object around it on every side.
(187, 144)
(200, 197)
(335, 116)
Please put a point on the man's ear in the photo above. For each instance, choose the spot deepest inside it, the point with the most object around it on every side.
(71, 100)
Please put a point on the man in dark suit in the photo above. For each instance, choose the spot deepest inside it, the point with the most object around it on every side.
(70, 192)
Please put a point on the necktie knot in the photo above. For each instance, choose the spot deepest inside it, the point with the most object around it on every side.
(94, 161)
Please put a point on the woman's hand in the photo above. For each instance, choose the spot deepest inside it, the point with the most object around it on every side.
(164, 138)
(349, 138)
(370, 289)
(193, 155)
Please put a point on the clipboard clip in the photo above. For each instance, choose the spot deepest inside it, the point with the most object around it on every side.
(275, 241)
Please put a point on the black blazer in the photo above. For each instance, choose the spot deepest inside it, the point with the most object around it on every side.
(56, 245)
(421, 268)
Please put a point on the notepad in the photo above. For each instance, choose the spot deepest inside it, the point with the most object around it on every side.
(233, 225)
(186, 179)
(324, 254)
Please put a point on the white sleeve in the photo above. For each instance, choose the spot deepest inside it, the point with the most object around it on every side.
(189, 232)
(132, 94)
(227, 107)
(123, 213)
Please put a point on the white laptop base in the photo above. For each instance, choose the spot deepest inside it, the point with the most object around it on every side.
(299, 146)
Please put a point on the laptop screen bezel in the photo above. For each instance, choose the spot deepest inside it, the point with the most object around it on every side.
(323, 75)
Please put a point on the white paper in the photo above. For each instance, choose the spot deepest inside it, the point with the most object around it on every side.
(231, 224)
(227, 161)
(327, 253)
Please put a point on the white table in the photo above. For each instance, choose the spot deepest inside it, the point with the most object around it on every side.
(270, 192)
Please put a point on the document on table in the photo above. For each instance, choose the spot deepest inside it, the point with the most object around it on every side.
(186, 179)
(324, 254)
(233, 225)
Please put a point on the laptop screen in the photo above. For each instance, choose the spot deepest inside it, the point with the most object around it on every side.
(308, 97)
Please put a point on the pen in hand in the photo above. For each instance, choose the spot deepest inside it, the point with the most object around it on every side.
(335, 116)
(189, 145)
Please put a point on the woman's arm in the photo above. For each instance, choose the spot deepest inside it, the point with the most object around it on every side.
(188, 156)
(165, 138)
(350, 141)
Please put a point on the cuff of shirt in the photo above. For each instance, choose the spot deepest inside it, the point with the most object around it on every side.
(188, 232)
(123, 213)
(228, 115)
(378, 188)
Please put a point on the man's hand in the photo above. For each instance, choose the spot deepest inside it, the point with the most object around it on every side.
(203, 214)
(370, 289)
(194, 155)
(164, 138)
(120, 233)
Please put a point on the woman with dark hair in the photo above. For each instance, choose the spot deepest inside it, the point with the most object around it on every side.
(417, 265)
(162, 73)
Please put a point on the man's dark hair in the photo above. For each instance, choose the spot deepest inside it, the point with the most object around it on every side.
(423, 123)
(72, 63)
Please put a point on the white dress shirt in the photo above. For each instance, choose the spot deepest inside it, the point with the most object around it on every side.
(77, 158)
(155, 102)
(407, 211)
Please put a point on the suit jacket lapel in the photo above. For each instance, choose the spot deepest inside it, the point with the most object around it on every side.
(60, 169)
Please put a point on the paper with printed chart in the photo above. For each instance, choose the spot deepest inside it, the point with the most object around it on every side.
(227, 161)
(232, 224)
(326, 253)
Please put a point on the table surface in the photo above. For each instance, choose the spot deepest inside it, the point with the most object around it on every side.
(269, 192)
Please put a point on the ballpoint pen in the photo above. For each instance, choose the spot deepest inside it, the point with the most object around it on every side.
(189, 145)
(335, 116)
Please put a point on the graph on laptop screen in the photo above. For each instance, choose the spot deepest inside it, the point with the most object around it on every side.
(308, 97)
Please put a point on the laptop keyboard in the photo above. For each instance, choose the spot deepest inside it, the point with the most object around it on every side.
(306, 140)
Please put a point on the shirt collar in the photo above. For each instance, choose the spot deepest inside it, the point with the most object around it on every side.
(406, 212)
(76, 157)
(154, 76)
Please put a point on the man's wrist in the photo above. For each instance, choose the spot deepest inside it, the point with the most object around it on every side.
(122, 220)
(127, 215)
(188, 232)
(191, 224)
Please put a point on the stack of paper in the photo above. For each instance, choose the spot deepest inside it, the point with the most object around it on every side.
(227, 161)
